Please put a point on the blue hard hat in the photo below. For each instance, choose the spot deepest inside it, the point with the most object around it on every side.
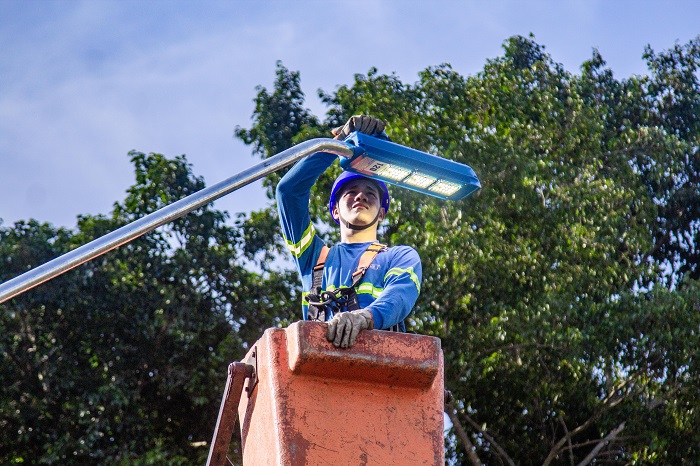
(349, 176)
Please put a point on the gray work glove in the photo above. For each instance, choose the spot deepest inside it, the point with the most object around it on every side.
(344, 327)
(361, 123)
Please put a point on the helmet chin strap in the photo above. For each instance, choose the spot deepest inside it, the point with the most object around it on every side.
(357, 227)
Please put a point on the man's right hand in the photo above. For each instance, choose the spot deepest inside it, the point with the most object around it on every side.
(361, 123)
(344, 327)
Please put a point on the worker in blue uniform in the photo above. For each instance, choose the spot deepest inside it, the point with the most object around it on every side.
(350, 299)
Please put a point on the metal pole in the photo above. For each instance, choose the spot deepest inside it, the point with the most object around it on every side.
(150, 222)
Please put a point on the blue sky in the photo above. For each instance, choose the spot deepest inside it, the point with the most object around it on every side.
(84, 82)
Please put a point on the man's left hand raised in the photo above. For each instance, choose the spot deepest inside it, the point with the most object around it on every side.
(360, 123)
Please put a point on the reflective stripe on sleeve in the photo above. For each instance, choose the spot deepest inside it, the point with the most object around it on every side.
(297, 249)
(409, 271)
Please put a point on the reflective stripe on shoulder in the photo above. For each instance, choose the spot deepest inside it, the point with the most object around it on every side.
(297, 249)
(409, 271)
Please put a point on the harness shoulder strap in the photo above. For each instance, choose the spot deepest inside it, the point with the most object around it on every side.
(317, 273)
(365, 260)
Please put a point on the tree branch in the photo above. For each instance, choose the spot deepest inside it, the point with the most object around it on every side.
(609, 402)
(566, 432)
(502, 453)
(608, 438)
(462, 434)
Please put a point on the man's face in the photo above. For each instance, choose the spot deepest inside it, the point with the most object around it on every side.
(359, 202)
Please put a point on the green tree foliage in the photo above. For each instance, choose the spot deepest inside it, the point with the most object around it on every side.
(123, 360)
(565, 292)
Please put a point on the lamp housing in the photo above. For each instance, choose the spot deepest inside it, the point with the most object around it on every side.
(409, 168)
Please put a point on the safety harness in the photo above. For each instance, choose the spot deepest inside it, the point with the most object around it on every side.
(323, 303)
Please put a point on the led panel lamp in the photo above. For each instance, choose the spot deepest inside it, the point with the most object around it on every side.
(410, 168)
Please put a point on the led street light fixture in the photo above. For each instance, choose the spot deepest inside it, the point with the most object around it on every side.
(410, 168)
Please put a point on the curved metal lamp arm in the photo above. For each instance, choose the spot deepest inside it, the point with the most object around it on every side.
(150, 222)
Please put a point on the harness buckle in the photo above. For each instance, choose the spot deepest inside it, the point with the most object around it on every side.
(329, 303)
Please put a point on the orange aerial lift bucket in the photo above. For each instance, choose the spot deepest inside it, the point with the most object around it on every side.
(307, 402)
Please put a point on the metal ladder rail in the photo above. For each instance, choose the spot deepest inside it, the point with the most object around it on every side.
(150, 222)
(238, 373)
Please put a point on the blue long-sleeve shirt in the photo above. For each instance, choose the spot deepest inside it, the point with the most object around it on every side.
(390, 286)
